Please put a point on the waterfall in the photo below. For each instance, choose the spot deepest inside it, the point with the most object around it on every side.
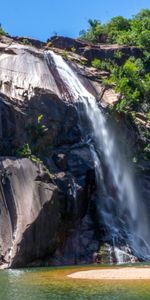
(120, 209)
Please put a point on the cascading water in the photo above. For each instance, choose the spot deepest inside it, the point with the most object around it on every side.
(121, 213)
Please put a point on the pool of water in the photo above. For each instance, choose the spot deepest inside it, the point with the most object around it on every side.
(53, 283)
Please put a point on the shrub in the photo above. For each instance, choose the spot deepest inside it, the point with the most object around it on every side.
(105, 65)
(2, 32)
(65, 55)
(73, 49)
(148, 116)
(135, 31)
(118, 54)
(96, 63)
(50, 44)
(93, 34)
(82, 62)
(25, 42)
(24, 151)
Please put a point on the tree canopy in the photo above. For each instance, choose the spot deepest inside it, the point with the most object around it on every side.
(134, 31)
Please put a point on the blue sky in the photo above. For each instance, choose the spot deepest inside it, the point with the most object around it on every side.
(42, 18)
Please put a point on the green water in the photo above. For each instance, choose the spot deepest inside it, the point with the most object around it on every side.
(53, 283)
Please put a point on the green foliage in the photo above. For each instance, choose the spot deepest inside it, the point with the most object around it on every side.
(65, 55)
(37, 136)
(105, 65)
(24, 151)
(35, 159)
(94, 33)
(73, 49)
(132, 82)
(118, 24)
(135, 31)
(96, 63)
(2, 32)
(82, 62)
(148, 116)
(118, 54)
(37, 130)
(49, 44)
(39, 118)
(115, 27)
(25, 42)
(35, 149)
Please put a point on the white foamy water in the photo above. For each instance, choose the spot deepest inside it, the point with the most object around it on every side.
(120, 210)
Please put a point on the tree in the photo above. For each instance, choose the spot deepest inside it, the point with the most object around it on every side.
(120, 30)
(94, 33)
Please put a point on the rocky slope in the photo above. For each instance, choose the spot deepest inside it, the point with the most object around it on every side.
(47, 200)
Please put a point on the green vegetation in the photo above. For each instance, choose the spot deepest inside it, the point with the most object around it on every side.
(65, 55)
(24, 151)
(118, 54)
(148, 116)
(104, 65)
(82, 62)
(73, 49)
(135, 31)
(25, 42)
(131, 77)
(33, 150)
(132, 82)
(50, 44)
(94, 33)
(38, 129)
(2, 32)
(35, 146)
(97, 63)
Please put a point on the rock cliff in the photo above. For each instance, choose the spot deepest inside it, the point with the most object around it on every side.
(47, 182)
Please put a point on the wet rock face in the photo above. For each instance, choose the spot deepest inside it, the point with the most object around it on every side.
(19, 124)
(80, 245)
(29, 212)
(40, 210)
(43, 222)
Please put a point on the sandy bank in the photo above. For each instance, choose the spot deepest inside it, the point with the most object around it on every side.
(126, 273)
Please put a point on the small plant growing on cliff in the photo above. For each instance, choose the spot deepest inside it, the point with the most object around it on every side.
(39, 118)
(82, 62)
(50, 44)
(2, 32)
(148, 116)
(104, 65)
(42, 129)
(118, 54)
(96, 63)
(25, 42)
(65, 55)
(73, 49)
(37, 130)
(24, 151)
